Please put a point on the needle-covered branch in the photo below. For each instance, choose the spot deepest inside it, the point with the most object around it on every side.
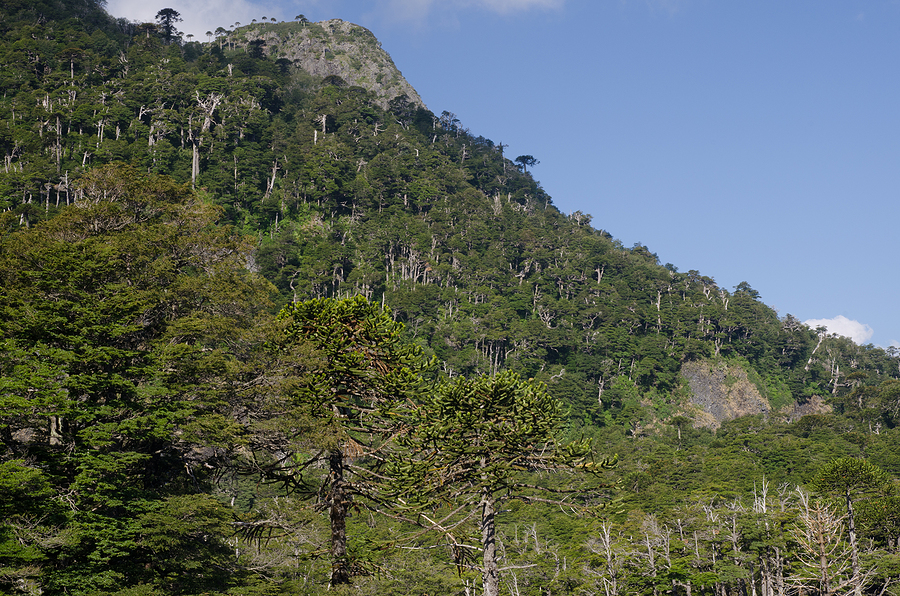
(341, 377)
(472, 442)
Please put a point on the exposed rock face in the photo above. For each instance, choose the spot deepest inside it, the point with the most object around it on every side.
(814, 405)
(336, 47)
(721, 392)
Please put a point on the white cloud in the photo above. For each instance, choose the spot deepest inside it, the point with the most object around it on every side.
(860, 333)
(417, 11)
(513, 5)
(198, 16)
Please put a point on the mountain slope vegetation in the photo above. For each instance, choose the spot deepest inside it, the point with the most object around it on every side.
(162, 200)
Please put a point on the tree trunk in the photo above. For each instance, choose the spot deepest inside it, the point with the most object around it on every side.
(195, 165)
(491, 575)
(652, 559)
(56, 437)
(854, 549)
(338, 501)
(779, 573)
(765, 575)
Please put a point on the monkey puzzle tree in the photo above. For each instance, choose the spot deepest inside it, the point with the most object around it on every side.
(471, 441)
(526, 161)
(343, 372)
(850, 480)
(166, 19)
(821, 563)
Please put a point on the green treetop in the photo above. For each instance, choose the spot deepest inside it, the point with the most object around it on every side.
(472, 439)
(850, 480)
(344, 374)
(120, 320)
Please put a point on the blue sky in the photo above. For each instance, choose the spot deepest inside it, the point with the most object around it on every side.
(752, 141)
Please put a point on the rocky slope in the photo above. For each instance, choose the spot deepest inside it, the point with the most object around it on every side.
(722, 391)
(334, 48)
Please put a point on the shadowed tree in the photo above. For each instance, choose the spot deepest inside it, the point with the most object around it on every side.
(166, 19)
(255, 49)
(526, 161)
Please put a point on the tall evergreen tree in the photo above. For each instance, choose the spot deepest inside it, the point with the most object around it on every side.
(167, 18)
(344, 374)
(472, 439)
(851, 479)
(120, 318)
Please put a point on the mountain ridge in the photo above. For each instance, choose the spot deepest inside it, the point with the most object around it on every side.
(162, 431)
(335, 48)
(352, 186)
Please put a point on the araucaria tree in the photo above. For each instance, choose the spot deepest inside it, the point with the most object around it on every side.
(342, 372)
(474, 441)
(166, 19)
(526, 161)
(849, 480)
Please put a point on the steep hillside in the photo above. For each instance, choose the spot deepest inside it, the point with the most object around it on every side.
(162, 431)
(401, 205)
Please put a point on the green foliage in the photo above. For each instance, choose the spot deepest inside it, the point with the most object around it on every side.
(471, 442)
(344, 376)
(402, 205)
(136, 381)
(363, 367)
(847, 476)
(117, 320)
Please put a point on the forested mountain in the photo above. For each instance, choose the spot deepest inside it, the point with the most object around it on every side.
(163, 198)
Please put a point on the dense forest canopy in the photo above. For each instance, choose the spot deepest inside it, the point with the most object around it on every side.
(163, 431)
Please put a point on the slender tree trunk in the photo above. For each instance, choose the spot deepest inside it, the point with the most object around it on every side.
(652, 560)
(779, 573)
(824, 579)
(765, 575)
(195, 165)
(854, 549)
(56, 423)
(338, 501)
(491, 575)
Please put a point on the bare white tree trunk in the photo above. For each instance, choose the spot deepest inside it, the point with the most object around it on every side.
(491, 574)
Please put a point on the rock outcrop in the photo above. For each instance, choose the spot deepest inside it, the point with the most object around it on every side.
(335, 48)
(721, 391)
(813, 406)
